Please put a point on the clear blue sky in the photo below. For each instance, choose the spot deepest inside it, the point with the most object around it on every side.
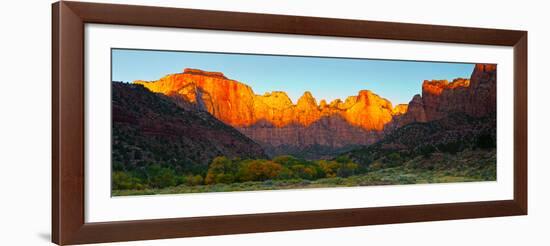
(325, 78)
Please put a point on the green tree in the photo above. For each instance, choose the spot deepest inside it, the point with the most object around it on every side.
(343, 159)
(347, 169)
(393, 159)
(126, 181)
(286, 160)
(285, 173)
(221, 170)
(161, 177)
(259, 170)
(304, 172)
(197, 180)
(329, 167)
(192, 180)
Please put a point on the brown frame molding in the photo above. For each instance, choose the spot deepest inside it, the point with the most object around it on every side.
(68, 19)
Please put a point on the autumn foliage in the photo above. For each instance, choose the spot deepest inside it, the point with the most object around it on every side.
(225, 170)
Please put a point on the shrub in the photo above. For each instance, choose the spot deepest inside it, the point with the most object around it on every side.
(394, 159)
(300, 172)
(160, 177)
(347, 169)
(221, 170)
(126, 181)
(259, 170)
(375, 165)
(197, 180)
(288, 161)
(285, 160)
(329, 167)
(224, 178)
(191, 180)
(285, 173)
(343, 159)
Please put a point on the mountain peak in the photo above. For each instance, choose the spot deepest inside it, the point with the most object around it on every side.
(199, 72)
(336, 103)
(276, 94)
(436, 87)
(368, 95)
(486, 67)
(459, 82)
(275, 99)
(400, 109)
(323, 103)
(307, 94)
(307, 99)
(370, 98)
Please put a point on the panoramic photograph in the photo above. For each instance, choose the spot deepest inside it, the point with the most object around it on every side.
(193, 122)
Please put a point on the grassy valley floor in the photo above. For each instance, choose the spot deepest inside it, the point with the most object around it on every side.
(466, 166)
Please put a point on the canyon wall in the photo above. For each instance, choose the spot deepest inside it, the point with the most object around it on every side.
(273, 120)
(475, 96)
(311, 127)
(236, 104)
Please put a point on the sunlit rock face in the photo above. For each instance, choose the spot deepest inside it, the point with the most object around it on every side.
(400, 109)
(228, 100)
(475, 96)
(236, 104)
(281, 126)
(440, 95)
(274, 121)
(415, 113)
(370, 111)
(275, 107)
(436, 87)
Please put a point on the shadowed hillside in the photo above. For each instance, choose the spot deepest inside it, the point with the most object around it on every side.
(149, 128)
(451, 134)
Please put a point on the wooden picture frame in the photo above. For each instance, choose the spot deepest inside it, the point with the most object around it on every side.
(68, 223)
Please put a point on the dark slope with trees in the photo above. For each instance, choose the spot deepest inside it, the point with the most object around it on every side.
(150, 129)
(452, 134)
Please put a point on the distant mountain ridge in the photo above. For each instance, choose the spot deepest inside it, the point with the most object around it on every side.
(236, 104)
(314, 129)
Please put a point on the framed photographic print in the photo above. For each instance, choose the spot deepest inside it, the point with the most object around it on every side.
(174, 122)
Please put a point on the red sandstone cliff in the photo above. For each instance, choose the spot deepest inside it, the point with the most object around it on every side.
(281, 126)
(228, 100)
(475, 97)
(236, 104)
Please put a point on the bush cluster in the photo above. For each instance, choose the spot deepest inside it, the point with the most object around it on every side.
(153, 176)
(226, 170)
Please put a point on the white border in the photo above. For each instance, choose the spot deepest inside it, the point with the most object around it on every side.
(100, 207)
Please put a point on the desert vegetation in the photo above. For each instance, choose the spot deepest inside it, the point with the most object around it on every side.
(287, 172)
(223, 170)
